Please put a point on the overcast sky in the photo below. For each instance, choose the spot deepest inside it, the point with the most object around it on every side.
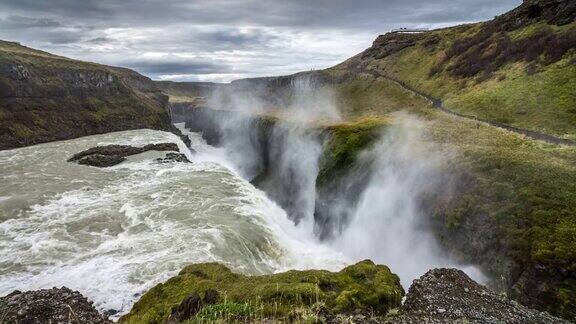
(222, 40)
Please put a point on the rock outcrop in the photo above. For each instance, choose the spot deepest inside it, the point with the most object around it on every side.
(556, 12)
(44, 97)
(110, 155)
(449, 295)
(56, 305)
(173, 157)
(390, 43)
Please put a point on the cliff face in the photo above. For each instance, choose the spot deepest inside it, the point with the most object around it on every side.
(44, 98)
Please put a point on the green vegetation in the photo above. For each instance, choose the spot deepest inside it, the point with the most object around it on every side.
(345, 142)
(523, 77)
(366, 95)
(526, 187)
(292, 295)
(46, 97)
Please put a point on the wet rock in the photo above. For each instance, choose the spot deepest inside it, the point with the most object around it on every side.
(191, 305)
(101, 161)
(56, 305)
(449, 295)
(173, 157)
(109, 155)
(187, 308)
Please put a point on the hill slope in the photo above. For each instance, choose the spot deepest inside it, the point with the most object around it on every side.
(44, 97)
(518, 69)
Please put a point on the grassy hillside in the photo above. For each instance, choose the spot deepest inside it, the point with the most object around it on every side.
(44, 97)
(519, 69)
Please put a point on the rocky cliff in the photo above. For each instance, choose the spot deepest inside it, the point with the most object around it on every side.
(44, 97)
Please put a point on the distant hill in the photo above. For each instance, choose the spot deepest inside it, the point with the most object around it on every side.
(44, 97)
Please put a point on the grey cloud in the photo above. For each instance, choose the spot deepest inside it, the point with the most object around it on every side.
(232, 37)
(15, 22)
(236, 37)
(175, 65)
(295, 13)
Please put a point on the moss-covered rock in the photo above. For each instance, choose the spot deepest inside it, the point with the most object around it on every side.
(344, 142)
(363, 287)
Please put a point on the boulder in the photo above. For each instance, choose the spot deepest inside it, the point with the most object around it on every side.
(101, 161)
(56, 305)
(110, 155)
(173, 157)
(449, 295)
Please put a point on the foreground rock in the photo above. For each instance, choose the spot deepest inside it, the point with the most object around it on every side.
(210, 292)
(56, 305)
(449, 295)
(110, 155)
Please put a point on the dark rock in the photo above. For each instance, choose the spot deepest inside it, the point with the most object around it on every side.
(537, 287)
(161, 147)
(191, 305)
(101, 161)
(390, 43)
(555, 12)
(109, 150)
(210, 296)
(173, 157)
(111, 312)
(449, 295)
(187, 308)
(56, 305)
(109, 155)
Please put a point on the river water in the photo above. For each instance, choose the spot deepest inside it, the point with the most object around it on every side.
(112, 233)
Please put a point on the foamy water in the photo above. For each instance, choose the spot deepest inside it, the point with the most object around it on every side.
(112, 233)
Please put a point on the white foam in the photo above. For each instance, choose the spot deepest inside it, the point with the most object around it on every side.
(113, 233)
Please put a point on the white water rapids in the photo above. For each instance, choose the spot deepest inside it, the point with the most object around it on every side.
(112, 233)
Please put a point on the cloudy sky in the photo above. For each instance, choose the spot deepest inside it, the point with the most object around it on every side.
(222, 40)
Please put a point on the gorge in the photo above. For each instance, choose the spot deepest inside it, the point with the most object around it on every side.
(336, 195)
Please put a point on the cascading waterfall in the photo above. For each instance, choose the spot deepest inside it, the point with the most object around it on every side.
(113, 233)
(385, 223)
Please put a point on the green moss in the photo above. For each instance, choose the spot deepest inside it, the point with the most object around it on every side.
(542, 101)
(345, 142)
(361, 287)
(21, 131)
(366, 95)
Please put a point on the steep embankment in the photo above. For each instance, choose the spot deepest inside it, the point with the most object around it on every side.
(518, 69)
(44, 97)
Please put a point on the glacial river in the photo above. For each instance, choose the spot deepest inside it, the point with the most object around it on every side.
(112, 233)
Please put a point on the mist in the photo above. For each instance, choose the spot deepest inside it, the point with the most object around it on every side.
(372, 212)
(388, 224)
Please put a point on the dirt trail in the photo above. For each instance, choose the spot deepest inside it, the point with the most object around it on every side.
(438, 104)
